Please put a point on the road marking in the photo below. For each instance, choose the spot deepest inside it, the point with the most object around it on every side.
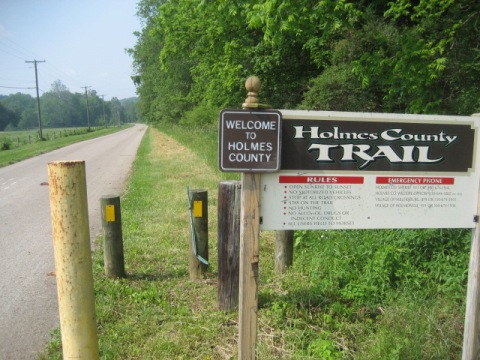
(6, 184)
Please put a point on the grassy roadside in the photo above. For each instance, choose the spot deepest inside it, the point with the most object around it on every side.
(21, 150)
(349, 295)
(157, 313)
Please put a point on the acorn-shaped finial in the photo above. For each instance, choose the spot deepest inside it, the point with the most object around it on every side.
(252, 84)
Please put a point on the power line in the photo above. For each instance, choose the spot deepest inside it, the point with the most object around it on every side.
(11, 54)
(14, 87)
(19, 49)
(16, 50)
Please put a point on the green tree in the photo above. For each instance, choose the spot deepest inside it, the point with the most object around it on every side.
(130, 108)
(434, 53)
(7, 116)
(395, 56)
(28, 119)
(118, 112)
(17, 103)
(60, 108)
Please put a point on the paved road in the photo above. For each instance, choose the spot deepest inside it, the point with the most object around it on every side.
(28, 298)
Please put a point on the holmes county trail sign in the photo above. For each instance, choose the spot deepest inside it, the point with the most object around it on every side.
(372, 171)
(339, 170)
(249, 141)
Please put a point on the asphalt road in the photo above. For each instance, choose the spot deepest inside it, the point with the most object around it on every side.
(28, 297)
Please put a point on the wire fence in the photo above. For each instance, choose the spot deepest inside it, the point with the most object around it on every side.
(14, 139)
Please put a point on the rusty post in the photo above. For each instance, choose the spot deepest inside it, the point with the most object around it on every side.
(73, 263)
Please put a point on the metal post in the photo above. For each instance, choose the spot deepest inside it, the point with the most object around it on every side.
(73, 263)
(198, 200)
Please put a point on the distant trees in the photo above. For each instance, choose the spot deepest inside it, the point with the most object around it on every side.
(387, 56)
(19, 108)
(61, 108)
(7, 116)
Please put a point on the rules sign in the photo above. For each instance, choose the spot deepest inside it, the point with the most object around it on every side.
(249, 141)
(373, 171)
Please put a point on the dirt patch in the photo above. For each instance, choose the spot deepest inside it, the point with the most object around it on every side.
(168, 149)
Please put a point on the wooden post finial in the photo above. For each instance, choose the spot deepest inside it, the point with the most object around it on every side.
(252, 84)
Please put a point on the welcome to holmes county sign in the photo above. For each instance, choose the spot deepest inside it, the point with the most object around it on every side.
(249, 141)
(361, 170)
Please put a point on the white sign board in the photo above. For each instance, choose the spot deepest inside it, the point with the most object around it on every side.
(373, 171)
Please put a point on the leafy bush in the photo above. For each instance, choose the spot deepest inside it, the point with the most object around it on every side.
(322, 348)
(200, 115)
(337, 89)
(5, 143)
(369, 267)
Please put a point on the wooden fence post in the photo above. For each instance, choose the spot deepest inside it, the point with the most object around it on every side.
(198, 205)
(113, 256)
(229, 194)
(283, 250)
(73, 262)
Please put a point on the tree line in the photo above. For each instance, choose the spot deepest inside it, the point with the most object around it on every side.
(61, 108)
(192, 56)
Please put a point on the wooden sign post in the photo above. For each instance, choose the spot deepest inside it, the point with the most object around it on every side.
(351, 171)
(249, 142)
(471, 336)
(249, 252)
(343, 170)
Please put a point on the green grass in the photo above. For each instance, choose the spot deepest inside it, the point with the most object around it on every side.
(203, 142)
(20, 145)
(389, 294)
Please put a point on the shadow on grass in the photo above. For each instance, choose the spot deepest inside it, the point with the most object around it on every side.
(157, 276)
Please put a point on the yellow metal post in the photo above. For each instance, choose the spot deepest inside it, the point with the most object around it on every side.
(73, 263)
(198, 199)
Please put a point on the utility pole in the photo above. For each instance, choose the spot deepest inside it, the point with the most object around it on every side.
(103, 103)
(35, 62)
(88, 115)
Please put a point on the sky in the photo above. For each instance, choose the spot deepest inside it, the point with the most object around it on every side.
(82, 42)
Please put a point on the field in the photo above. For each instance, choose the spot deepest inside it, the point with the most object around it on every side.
(19, 145)
(379, 294)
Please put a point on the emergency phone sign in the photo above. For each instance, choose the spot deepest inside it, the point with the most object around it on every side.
(249, 141)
